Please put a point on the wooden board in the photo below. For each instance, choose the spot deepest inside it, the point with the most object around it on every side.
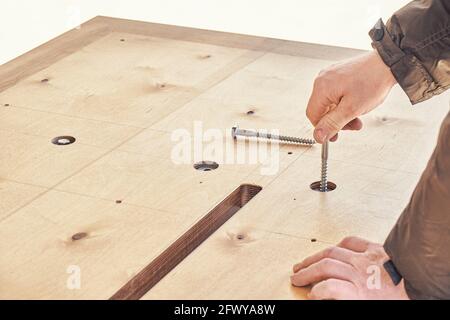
(113, 201)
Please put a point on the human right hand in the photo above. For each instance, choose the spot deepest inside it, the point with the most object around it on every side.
(345, 91)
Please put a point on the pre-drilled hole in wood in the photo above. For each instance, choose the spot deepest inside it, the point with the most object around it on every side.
(250, 112)
(188, 242)
(290, 152)
(206, 165)
(63, 140)
(6, 104)
(44, 80)
(316, 186)
(118, 201)
(313, 240)
(79, 236)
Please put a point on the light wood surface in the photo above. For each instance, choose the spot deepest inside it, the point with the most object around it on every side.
(113, 201)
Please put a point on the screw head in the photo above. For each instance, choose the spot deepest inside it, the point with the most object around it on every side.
(234, 131)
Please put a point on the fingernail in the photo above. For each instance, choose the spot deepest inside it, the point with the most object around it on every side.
(334, 138)
(321, 135)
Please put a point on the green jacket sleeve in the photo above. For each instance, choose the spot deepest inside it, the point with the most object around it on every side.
(415, 44)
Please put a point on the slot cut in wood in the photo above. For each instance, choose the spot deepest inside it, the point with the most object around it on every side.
(188, 242)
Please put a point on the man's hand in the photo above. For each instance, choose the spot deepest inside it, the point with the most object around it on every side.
(351, 270)
(344, 91)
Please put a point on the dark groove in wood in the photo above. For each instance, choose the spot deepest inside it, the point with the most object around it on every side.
(188, 242)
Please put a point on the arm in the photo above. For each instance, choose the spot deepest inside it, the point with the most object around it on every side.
(413, 49)
(415, 44)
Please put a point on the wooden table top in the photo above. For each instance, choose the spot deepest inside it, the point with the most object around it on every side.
(101, 210)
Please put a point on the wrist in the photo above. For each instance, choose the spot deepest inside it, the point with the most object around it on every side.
(386, 72)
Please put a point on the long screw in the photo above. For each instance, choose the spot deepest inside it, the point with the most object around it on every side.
(323, 177)
(235, 132)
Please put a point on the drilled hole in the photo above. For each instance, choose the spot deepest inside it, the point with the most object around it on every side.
(250, 112)
(63, 140)
(290, 152)
(6, 104)
(240, 237)
(206, 165)
(44, 80)
(118, 201)
(316, 186)
(313, 240)
(122, 40)
(79, 236)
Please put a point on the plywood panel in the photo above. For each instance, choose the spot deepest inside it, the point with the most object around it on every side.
(120, 240)
(151, 182)
(122, 88)
(366, 202)
(238, 264)
(295, 221)
(13, 195)
(49, 125)
(135, 81)
(243, 155)
(35, 160)
(275, 88)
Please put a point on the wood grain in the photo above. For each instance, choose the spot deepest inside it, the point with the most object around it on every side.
(114, 200)
(187, 243)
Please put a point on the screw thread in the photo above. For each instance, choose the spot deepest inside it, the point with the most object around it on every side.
(323, 177)
(297, 140)
(235, 131)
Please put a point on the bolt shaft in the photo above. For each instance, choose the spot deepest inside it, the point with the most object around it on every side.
(324, 171)
(250, 133)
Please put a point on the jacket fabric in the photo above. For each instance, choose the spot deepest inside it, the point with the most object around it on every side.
(415, 44)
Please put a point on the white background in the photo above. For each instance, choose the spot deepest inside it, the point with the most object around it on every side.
(24, 24)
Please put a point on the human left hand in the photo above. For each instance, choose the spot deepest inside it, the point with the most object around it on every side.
(349, 271)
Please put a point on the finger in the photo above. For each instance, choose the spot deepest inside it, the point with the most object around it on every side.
(354, 243)
(324, 269)
(335, 253)
(335, 137)
(333, 121)
(318, 104)
(334, 289)
(355, 124)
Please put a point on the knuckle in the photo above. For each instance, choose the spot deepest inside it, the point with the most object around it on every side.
(331, 123)
(355, 259)
(321, 73)
(319, 82)
(346, 241)
(328, 252)
(326, 264)
(352, 110)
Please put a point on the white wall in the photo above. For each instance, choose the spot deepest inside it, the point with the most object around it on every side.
(24, 24)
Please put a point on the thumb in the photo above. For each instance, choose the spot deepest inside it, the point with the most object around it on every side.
(333, 121)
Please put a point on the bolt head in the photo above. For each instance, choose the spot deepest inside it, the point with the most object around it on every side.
(233, 131)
